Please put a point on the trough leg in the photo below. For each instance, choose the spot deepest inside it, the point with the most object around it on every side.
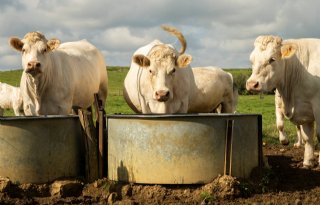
(101, 127)
(90, 143)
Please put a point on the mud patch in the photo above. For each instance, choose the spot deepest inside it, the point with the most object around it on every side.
(284, 182)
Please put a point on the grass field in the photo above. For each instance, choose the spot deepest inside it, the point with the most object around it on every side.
(246, 104)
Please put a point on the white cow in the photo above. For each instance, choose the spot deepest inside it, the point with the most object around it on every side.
(160, 80)
(212, 90)
(58, 76)
(284, 65)
(10, 98)
(279, 110)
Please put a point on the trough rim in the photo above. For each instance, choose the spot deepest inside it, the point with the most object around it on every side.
(151, 116)
(41, 117)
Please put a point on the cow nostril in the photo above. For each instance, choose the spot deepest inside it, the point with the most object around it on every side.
(33, 65)
(162, 95)
(256, 85)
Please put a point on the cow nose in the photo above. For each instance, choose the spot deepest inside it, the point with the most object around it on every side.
(253, 85)
(162, 95)
(33, 67)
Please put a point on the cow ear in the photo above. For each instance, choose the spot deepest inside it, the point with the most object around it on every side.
(287, 50)
(141, 60)
(53, 43)
(16, 43)
(183, 60)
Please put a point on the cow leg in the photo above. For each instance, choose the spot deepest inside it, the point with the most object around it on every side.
(280, 126)
(103, 92)
(299, 141)
(307, 132)
(16, 111)
(280, 118)
(226, 107)
(217, 109)
(318, 141)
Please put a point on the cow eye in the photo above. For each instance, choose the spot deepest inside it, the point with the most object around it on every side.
(173, 71)
(44, 50)
(23, 50)
(271, 60)
(150, 71)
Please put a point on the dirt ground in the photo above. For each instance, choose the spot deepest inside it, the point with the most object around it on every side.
(284, 182)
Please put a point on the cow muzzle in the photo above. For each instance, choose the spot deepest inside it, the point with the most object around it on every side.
(33, 68)
(162, 95)
(253, 85)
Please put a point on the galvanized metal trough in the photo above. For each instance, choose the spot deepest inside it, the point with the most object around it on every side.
(41, 149)
(182, 149)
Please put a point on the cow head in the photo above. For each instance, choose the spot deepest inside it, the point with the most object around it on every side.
(268, 58)
(34, 48)
(162, 64)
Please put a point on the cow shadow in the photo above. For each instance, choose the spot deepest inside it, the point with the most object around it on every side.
(122, 172)
(291, 176)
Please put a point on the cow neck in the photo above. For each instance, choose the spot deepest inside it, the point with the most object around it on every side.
(34, 86)
(292, 79)
(39, 84)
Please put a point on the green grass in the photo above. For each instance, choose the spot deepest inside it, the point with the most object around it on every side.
(244, 71)
(264, 105)
(246, 103)
(11, 77)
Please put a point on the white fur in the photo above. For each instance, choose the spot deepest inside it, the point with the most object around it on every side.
(10, 98)
(295, 76)
(70, 75)
(191, 90)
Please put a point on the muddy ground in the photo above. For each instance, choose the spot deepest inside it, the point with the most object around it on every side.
(285, 182)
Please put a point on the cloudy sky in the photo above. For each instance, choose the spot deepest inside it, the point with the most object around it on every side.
(219, 33)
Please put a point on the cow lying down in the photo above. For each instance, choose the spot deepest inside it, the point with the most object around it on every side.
(10, 98)
(57, 76)
(160, 80)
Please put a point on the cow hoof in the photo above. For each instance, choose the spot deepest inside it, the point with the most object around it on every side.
(284, 142)
(297, 145)
(308, 165)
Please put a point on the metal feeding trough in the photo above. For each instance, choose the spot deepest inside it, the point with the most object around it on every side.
(40, 149)
(182, 149)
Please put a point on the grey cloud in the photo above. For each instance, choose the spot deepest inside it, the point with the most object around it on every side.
(219, 33)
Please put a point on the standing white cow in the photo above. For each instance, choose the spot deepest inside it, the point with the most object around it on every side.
(58, 76)
(160, 80)
(10, 98)
(282, 65)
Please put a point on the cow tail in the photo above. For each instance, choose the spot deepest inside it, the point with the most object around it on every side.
(177, 34)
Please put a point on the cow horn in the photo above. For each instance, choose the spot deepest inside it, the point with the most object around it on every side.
(178, 34)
